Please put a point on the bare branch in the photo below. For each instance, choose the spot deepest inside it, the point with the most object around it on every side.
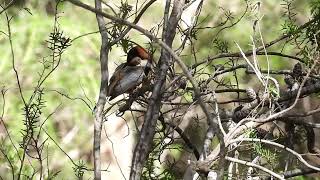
(7, 6)
(299, 172)
(258, 49)
(143, 146)
(299, 157)
(255, 166)
(104, 51)
(136, 20)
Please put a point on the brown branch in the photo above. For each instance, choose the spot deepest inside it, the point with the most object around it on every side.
(7, 6)
(136, 20)
(275, 144)
(22, 159)
(287, 96)
(182, 135)
(249, 53)
(104, 51)
(297, 121)
(250, 164)
(298, 172)
(307, 90)
(178, 60)
(309, 113)
(311, 141)
(3, 91)
(144, 144)
(13, 60)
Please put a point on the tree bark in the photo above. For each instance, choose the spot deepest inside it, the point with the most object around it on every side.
(104, 51)
(144, 144)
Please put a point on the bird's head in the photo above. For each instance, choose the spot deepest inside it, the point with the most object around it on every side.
(136, 54)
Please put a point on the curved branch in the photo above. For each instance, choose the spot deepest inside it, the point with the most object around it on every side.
(255, 166)
(136, 20)
(258, 49)
(277, 145)
(183, 136)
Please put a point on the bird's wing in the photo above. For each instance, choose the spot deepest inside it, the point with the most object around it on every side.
(115, 78)
(132, 77)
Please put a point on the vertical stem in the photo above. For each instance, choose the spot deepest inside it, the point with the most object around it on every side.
(104, 51)
(144, 145)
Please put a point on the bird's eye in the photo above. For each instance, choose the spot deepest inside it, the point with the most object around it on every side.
(135, 61)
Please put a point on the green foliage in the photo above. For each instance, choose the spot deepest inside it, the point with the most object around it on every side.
(274, 91)
(315, 7)
(267, 154)
(270, 155)
(36, 59)
(79, 169)
(153, 170)
(32, 113)
(163, 144)
(125, 9)
(78, 73)
(9, 157)
(221, 45)
(289, 26)
(58, 42)
(312, 33)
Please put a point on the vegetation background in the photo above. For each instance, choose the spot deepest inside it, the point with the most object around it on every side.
(71, 91)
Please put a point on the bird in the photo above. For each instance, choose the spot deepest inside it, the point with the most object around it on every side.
(129, 75)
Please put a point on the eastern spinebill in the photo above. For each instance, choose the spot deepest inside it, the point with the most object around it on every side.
(130, 74)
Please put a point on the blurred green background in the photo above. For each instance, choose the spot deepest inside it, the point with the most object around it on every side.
(78, 75)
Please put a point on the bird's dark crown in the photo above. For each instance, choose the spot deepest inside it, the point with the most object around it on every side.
(135, 52)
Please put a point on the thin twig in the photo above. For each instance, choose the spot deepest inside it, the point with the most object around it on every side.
(7, 6)
(255, 166)
(299, 157)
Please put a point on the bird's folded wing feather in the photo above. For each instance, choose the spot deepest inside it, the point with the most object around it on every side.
(132, 77)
